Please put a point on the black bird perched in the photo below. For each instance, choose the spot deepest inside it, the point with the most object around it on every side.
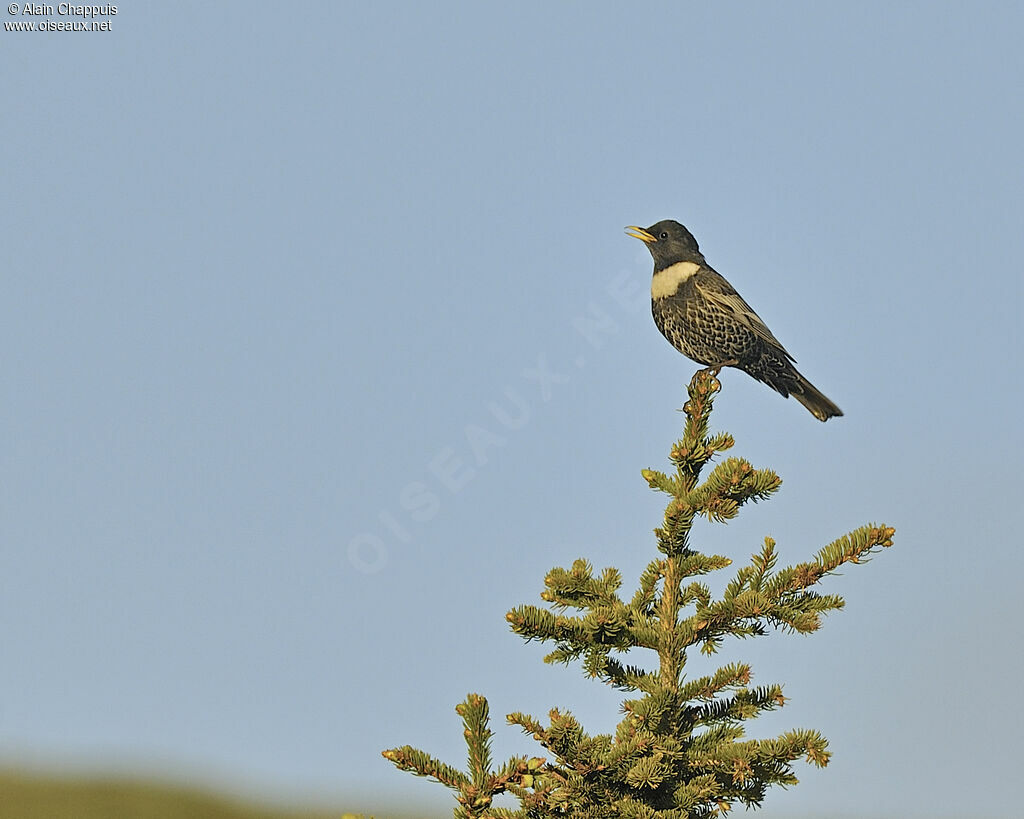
(703, 317)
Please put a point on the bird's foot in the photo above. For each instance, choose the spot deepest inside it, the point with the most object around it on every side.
(714, 371)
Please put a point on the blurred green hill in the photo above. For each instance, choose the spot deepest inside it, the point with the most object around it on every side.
(39, 796)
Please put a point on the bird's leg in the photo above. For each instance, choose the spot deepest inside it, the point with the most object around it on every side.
(714, 371)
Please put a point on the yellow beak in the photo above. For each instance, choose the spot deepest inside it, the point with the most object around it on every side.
(640, 233)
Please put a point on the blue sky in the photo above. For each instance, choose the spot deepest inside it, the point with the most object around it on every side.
(297, 401)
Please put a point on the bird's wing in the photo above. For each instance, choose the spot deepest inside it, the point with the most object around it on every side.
(720, 293)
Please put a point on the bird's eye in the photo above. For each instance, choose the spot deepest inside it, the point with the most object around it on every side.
(664, 234)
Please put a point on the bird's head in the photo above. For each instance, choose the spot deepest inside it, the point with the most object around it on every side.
(669, 242)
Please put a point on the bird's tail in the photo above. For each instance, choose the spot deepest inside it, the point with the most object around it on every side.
(812, 398)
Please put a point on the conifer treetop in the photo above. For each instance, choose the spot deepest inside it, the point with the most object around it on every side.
(680, 752)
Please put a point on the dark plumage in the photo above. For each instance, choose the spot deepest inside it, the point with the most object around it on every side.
(703, 317)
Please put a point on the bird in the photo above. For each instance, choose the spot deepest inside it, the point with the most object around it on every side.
(705, 319)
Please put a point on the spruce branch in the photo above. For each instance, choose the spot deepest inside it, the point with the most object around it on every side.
(417, 762)
(475, 791)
